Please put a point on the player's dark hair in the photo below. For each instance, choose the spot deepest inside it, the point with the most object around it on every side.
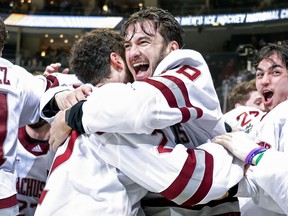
(3, 33)
(281, 49)
(163, 21)
(89, 57)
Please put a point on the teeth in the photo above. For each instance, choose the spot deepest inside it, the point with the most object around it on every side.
(138, 64)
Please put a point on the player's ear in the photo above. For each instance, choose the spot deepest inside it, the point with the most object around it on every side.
(116, 61)
(174, 45)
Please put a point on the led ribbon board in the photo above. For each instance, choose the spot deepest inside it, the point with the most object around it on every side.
(46, 21)
(238, 18)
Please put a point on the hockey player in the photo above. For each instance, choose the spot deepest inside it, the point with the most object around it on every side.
(247, 113)
(246, 94)
(271, 81)
(177, 91)
(20, 94)
(33, 162)
(246, 107)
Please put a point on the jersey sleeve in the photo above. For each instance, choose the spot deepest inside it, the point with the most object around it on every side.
(47, 96)
(250, 187)
(56, 82)
(178, 93)
(184, 176)
(245, 119)
(20, 94)
(272, 168)
(268, 178)
(40, 85)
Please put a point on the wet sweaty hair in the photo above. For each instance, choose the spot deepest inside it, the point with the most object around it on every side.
(281, 49)
(3, 34)
(163, 21)
(89, 57)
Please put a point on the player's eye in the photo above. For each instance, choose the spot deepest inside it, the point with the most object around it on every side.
(126, 46)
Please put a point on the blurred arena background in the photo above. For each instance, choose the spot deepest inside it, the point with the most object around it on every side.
(226, 32)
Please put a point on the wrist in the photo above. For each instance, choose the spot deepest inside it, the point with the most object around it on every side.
(251, 157)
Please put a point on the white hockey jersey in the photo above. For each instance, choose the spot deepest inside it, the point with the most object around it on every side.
(181, 91)
(81, 183)
(186, 176)
(269, 176)
(244, 118)
(20, 94)
(33, 162)
(248, 119)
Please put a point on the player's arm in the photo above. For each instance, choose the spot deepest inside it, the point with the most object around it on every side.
(184, 176)
(142, 107)
(61, 98)
(265, 170)
(180, 94)
(272, 168)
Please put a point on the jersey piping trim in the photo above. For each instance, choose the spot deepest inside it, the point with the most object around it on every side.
(68, 152)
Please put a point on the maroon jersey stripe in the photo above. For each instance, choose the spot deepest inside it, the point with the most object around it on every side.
(181, 85)
(66, 155)
(3, 124)
(171, 100)
(52, 81)
(185, 175)
(43, 194)
(183, 178)
(206, 182)
(8, 202)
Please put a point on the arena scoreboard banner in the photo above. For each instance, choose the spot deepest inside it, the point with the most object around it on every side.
(49, 21)
(90, 22)
(232, 19)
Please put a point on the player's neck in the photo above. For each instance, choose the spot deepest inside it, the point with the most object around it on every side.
(41, 133)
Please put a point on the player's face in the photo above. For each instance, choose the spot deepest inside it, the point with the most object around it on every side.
(144, 52)
(255, 100)
(272, 81)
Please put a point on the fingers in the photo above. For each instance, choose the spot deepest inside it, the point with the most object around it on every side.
(223, 137)
(59, 131)
(66, 99)
(51, 143)
(65, 71)
(53, 68)
(86, 90)
(225, 140)
(221, 141)
(62, 101)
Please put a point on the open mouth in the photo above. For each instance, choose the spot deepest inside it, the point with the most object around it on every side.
(140, 69)
(267, 95)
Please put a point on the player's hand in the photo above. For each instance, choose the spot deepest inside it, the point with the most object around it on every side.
(59, 130)
(66, 99)
(238, 143)
(54, 68)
